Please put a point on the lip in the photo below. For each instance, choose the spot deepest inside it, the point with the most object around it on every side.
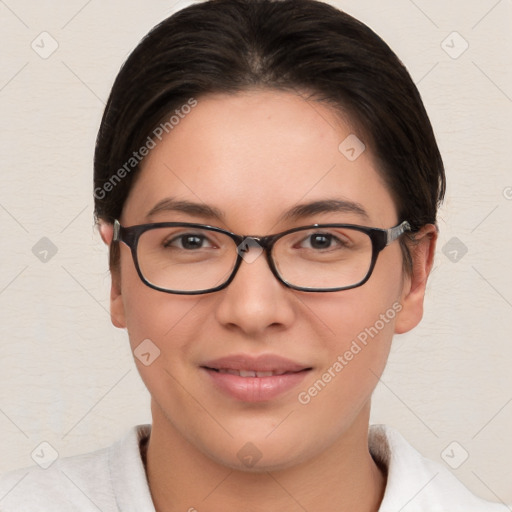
(255, 389)
(262, 363)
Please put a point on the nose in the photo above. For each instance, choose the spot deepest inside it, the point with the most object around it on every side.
(255, 300)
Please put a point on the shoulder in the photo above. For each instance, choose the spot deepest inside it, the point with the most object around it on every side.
(89, 482)
(71, 481)
(417, 484)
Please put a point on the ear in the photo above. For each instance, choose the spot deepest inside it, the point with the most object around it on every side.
(413, 292)
(117, 315)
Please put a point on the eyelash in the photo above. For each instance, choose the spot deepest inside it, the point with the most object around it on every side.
(182, 237)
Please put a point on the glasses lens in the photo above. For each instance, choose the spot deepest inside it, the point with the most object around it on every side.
(185, 259)
(323, 257)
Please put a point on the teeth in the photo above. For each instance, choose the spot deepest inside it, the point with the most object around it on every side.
(262, 374)
(250, 373)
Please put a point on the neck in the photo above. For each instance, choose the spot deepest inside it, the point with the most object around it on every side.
(342, 477)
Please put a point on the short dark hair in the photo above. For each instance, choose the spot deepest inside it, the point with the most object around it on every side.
(304, 46)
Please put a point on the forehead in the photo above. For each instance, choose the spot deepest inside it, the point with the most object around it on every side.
(254, 155)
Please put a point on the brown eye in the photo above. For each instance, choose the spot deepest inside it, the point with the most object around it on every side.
(188, 241)
(321, 241)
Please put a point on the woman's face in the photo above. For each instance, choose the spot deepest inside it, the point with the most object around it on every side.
(252, 157)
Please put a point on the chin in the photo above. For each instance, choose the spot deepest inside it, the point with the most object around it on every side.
(261, 455)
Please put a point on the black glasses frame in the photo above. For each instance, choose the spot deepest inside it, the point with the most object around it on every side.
(380, 239)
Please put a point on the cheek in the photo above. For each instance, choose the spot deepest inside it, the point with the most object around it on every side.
(164, 319)
(156, 318)
(356, 337)
(359, 326)
(350, 314)
(355, 358)
(160, 327)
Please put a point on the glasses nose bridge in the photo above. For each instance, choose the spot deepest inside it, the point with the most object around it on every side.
(246, 242)
(265, 242)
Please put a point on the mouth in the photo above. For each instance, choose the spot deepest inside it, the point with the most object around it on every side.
(251, 373)
(254, 379)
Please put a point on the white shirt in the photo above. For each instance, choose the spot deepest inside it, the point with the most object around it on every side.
(113, 479)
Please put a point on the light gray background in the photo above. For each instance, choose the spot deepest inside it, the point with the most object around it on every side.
(67, 375)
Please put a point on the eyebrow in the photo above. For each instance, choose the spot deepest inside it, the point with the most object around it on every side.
(188, 207)
(296, 213)
(324, 206)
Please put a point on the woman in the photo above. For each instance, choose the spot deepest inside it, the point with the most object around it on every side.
(267, 180)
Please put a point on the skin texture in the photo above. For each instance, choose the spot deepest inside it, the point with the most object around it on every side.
(253, 156)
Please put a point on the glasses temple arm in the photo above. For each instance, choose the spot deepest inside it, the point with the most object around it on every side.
(397, 231)
(117, 228)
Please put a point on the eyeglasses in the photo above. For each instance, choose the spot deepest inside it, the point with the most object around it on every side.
(190, 259)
